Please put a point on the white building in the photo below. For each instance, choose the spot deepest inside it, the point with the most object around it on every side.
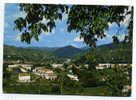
(12, 67)
(24, 77)
(23, 67)
(57, 65)
(42, 70)
(18, 61)
(106, 65)
(23, 70)
(70, 66)
(51, 76)
(70, 71)
(26, 66)
(113, 65)
(126, 89)
(68, 61)
(100, 67)
(45, 73)
(86, 66)
(73, 77)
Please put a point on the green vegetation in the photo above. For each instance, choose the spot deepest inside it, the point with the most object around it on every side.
(90, 22)
(90, 80)
(111, 53)
(87, 20)
(12, 53)
(89, 84)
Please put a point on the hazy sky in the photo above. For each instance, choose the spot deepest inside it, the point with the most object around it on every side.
(58, 38)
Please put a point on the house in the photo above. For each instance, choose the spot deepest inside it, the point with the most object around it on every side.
(12, 67)
(126, 73)
(70, 71)
(70, 66)
(73, 77)
(86, 66)
(23, 70)
(23, 67)
(103, 78)
(123, 65)
(68, 61)
(51, 76)
(128, 78)
(18, 61)
(78, 67)
(106, 65)
(9, 56)
(42, 70)
(112, 65)
(100, 67)
(26, 66)
(126, 88)
(24, 77)
(45, 73)
(57, 65)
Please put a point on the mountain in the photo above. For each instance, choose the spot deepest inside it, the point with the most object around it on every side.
(85, 48)
(67, 51)
(64, 52)
(49, 49)
(37, 52)
(108, 53)
(26, 54)
(115, 46)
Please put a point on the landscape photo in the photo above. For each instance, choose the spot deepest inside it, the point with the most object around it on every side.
(67, 49)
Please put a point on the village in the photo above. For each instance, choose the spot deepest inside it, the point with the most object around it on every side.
(43, 72)
(27, 71)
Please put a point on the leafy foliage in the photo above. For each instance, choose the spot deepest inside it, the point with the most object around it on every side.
(33, 25)
(90, 21)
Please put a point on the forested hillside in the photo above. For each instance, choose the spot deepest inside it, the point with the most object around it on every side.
(109, 53)
(26, 54)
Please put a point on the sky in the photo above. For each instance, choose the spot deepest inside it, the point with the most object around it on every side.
(59, 37)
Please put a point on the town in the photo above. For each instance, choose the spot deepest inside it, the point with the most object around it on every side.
(28, 71)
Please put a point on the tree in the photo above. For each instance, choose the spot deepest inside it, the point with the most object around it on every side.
(115, 80)
(61, 77)
(89, 21)
(91, 58)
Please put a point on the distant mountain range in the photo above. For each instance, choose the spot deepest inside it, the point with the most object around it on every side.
(70, 51)
(66, 51)
(114, 46)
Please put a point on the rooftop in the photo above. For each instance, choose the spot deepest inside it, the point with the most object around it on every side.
(127, 87)
(51, 74)
(24, 74)
(43, 69)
